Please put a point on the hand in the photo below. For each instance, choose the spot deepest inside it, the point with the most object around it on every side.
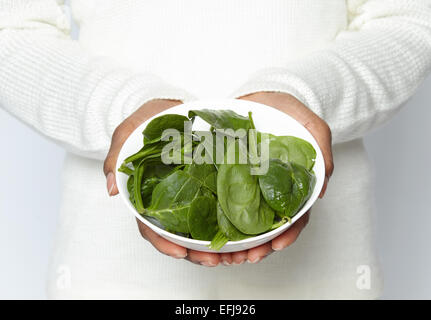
(322, 133)
(121, 133)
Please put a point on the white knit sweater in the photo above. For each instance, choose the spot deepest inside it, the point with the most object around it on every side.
(352, 62)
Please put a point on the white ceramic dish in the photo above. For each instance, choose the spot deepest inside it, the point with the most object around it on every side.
(266, 119)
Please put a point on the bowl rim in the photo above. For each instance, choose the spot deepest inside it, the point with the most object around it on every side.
(228, 102)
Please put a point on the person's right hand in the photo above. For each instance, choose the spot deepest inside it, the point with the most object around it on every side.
(120, 135)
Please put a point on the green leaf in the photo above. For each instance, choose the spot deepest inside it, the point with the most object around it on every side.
(137, 182)
(147, 189)
(171, 201)
(130, 190)
(239, 196)
(278, 224)
(222, 119)
(202, 218)
(205, 173)
(125, 169)
(292, 149)
(154, 130)
(147, 151)
(158, 170)
(227, 227)
(286, 187)
(218, 241)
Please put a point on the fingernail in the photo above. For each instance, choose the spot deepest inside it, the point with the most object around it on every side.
(237, 264)
(226, 263)
(277, 248)
(180, 255)
(256, 260)
(208, 264)
(110, 182)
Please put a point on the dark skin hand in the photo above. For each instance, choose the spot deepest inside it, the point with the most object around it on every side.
(283, 102)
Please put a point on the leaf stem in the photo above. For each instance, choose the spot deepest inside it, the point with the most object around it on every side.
(137, 181)
(125, 169)
(218, 241)
(251, 120)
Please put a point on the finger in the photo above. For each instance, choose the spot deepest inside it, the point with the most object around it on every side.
(322, 133)
(226, 259)
(207, 259)
(111, 184)
(258, 253)
(239, 257)
(161, 244)
(325, 186)
(118, 138)
(290, 236)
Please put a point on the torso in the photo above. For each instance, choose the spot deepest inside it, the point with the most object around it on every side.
(207, 47)
(210, 48)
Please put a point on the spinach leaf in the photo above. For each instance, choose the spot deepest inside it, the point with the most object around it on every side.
(125, 169)
(172, 197)
(147, 152)
(153, 172)
(227, 227)
(137, 182)
(239, 196)
(250, 117)
(218, 241)
(222, 119)
(159, 170)
(279, 223)
(202, 218)
(154, 130)
(153, 154)
(292, 149)
(205, 173)
(130, 190)
(171, 201)
(147, 189)
(286, 187)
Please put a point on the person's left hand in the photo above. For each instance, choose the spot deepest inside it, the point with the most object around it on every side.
(322, 133)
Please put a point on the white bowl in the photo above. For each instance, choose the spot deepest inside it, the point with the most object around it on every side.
(266, 119)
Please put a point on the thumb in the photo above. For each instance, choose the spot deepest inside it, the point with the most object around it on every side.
(118, 138)
(111, 185)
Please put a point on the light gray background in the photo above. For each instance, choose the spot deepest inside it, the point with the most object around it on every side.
(30, 169)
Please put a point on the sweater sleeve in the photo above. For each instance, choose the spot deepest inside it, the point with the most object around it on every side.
(363, 77)
(49, 82)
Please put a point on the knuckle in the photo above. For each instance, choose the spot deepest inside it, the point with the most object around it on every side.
(107, 165)
(123, 130)
(118, 132)
(324, 127)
